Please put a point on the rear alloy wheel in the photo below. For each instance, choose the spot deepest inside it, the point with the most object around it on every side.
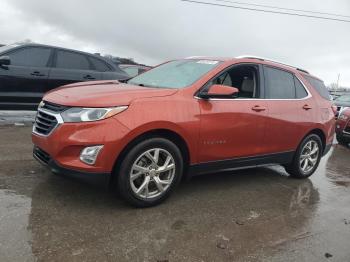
(309, 156)
(149, 172)
(306, 158)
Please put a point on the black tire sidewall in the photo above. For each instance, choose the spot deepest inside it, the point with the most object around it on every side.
(295, 169)
(123, 183)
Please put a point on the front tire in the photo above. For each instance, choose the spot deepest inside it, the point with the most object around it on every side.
(149, 172)
(306, 158)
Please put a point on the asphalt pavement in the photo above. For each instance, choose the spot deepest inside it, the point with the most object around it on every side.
(256, 214)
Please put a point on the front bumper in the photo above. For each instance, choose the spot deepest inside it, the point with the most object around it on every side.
(66, 142)
(99, 179)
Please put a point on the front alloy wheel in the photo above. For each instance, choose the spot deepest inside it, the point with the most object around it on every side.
(152, 173)
(149, 172)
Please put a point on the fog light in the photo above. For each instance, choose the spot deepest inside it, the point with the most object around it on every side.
(89, 154)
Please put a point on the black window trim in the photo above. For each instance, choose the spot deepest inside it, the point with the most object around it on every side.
(297, 79)
(49, 63)
(261, 83)
(309, 95)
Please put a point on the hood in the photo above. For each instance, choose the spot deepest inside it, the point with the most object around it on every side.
(102, 94)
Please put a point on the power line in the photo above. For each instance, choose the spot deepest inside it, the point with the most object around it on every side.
(283, 8)
(267, 11)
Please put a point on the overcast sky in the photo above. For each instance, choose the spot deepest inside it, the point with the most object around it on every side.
(153, 31)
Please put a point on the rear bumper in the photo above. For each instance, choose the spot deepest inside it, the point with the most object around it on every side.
(98, 179)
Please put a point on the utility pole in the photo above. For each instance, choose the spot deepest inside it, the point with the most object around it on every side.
(338, 81)
(336, 90)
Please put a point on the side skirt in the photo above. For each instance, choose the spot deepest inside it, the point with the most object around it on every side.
(241, 162)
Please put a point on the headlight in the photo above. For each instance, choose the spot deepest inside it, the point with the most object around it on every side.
(78, 114)
(343, 117)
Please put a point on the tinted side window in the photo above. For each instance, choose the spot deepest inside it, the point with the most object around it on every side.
(319, 86)
(70, 60)
(300, 91)
(279, 84)
(99, 65)
(30, 56)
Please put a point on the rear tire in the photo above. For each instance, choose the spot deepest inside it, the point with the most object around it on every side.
(306, 158)
(149, 172)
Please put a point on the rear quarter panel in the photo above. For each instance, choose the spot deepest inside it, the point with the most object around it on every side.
(324, 116)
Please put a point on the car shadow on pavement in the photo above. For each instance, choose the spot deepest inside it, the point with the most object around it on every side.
(259, 207)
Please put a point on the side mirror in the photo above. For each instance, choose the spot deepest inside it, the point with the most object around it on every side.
(220, 91)
(5, 61)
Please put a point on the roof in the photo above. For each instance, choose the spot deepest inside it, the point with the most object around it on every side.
(66, 49)
(252, 58)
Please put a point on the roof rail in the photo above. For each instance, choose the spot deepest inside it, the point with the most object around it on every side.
(194, 57)
(271, 60)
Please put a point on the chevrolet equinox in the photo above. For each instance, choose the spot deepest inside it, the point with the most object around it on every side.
(189, 116)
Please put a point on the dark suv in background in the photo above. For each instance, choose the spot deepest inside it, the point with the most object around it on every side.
(27, 71)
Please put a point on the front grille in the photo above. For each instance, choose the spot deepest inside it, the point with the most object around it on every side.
(44, 123)
(41, 155)
(53, 107)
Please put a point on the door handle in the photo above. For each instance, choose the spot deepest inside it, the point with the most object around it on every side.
(258, 108)
(37, 73)
(307, 107)
(89, 77)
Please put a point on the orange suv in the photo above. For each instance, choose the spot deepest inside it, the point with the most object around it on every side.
(189, 116)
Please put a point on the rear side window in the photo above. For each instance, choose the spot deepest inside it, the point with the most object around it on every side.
(300, 91)
(319, 86)
(70, 60)
(279, 84)
(30, 56)
(99, 65)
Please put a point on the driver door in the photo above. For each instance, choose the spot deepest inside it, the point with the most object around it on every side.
(233, 127)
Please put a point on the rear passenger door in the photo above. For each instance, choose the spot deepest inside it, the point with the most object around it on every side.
(291, 110)
(70, 67)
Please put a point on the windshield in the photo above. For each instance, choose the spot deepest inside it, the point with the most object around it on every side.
(175, 74)
(6, 47)
(345, 98)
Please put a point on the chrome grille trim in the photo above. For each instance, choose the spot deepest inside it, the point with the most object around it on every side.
(46, 122)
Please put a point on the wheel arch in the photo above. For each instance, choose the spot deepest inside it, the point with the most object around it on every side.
(321, 134)
(169, 134)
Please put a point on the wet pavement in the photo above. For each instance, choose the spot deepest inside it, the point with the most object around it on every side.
(17, 117)
(250, 215)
